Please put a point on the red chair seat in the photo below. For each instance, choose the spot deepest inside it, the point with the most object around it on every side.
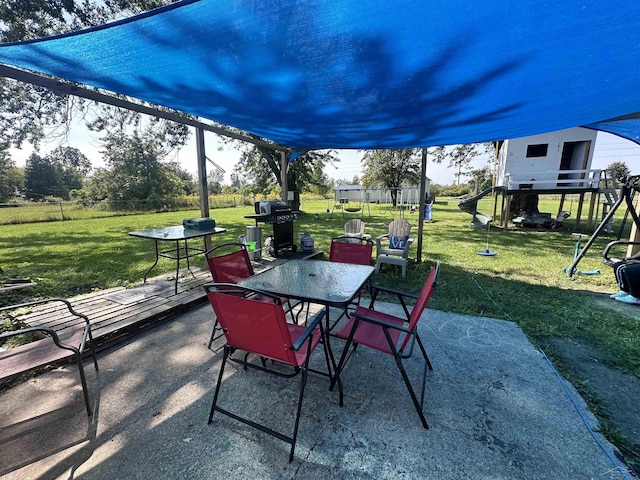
(370, 334)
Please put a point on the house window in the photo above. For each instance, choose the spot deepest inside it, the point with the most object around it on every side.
(539, 150)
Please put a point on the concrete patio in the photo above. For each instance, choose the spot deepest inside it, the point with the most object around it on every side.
(495, 406)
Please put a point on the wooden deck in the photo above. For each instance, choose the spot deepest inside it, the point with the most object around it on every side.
(117, 313)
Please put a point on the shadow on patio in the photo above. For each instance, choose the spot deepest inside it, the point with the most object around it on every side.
(495, 406)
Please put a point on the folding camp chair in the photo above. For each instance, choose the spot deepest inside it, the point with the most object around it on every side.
(345, 249)
(390, 334)
(258, 326)
(232, 267)
(397, 251)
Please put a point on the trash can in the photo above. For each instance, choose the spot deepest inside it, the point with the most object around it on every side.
(254, 243)
(427, 211)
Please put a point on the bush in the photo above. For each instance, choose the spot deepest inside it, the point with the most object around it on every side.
(449, 190)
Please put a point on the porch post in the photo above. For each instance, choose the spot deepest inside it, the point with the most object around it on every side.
(423, 188)
(203, 189)
(284, 163)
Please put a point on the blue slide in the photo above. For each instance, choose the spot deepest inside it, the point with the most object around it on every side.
(470, 205)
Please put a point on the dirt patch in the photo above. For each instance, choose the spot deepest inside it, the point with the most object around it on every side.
(615, 392)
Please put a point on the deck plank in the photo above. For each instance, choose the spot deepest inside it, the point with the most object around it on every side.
(112, 321)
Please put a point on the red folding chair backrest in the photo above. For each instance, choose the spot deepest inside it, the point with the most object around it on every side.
(355, 253)
(255, 326)
(231, 267)
(424, 296)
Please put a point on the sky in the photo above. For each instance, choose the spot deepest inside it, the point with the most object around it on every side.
(608, 148)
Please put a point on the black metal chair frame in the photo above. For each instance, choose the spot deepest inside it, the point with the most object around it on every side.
(55, 336)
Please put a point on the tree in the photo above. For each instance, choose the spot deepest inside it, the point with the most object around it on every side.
(55, 174)
(189, 184)
(389, 169)
(321, 184)
(96, 186)
(481, 178)
(618, 170)
(40, 177)
(461, 156)
(260, 167)
(238, 181)
(71, 167)
(215, 177)
(32, 113)
(138, 177)
(11, 177)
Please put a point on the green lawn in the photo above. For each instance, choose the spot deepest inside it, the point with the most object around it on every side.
(524, 282)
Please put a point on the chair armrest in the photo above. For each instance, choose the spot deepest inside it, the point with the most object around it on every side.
(610, 245)
(233, 288)
(44, 301)
(312, 326)
(401, 296)
(405, 253)
(49, 331)
(380, 323)
(379, 239)
(393, 291)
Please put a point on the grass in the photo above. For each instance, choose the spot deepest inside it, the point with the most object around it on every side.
(524, 282)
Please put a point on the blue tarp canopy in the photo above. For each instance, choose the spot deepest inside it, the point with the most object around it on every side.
(376, 74)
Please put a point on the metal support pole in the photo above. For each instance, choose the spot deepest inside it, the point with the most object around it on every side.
(423, 189)
(284, 163)
(203, 189)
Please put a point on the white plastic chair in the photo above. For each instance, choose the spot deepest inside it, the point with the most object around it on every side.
(397, 251)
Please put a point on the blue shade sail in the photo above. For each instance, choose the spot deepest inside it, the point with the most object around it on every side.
(376, 74)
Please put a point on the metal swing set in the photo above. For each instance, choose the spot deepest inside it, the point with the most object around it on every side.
(627, 194)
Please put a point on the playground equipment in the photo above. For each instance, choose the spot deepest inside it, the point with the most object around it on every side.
(470, 205)
(627, 193)
(575, 254)
(486, 252)
(344, 203)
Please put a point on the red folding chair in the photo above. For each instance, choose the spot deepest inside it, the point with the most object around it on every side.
(256, 324)
(348, 249)
(351, 250)
(232, 267)
(391, 334)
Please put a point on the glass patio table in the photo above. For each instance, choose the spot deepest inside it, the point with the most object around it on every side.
(181, 251)
(332, 284)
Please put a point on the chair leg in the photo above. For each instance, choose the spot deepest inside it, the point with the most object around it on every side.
(343, 357)
(93, 350)
(83, 381)
(213, 338)
(331, 364)
(215, 395)
(405, 377)
(424, 352)
(426, 366)
(303, 383)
